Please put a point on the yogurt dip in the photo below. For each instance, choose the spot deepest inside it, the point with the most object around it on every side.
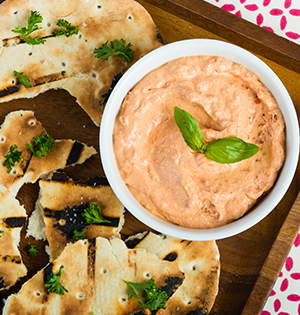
(164, 174)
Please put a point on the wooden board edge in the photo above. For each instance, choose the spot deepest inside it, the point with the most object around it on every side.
(235, 29)
(274, 262)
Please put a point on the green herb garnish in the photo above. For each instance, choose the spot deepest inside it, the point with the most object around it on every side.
(12, 157)
(116, 48)
(68, 29)
(53, 283)
(78, 235)
(1, 233)
(154, 297)
(23, 79)
(32, 251)
(92, 214)
(41, 145)
(63, 72)
(226, 150)
(34, 19)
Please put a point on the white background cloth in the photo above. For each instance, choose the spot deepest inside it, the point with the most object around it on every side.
(279, 16)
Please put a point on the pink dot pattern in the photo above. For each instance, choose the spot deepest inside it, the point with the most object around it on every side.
(284, 298)
(280, 17)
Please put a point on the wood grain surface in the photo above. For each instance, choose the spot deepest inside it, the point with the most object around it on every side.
(250, 261)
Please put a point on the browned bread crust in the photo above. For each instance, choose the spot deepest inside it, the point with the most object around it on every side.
(93, 273)
(62, 201)
(69, 62)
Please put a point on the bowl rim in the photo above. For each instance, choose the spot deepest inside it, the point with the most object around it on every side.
(153, 60)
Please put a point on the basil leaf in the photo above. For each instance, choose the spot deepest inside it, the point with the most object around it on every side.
(189, 129)
(230, 150)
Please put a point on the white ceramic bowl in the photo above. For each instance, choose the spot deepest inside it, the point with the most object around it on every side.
(188, 48)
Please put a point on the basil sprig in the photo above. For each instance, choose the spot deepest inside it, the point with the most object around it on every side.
(225, 150)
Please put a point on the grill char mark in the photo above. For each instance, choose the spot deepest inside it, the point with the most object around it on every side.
(10, 258)
(15, 222)
(134, 242)
(171, 256)
(9, 90)
(94, 181)
(74, 219)
(91, 258)
(75, 153)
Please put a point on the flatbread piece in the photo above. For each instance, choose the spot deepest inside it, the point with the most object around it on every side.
(92, 273)
(60, 205)
(69, 62)
(12, 219)
(19, 128)
(198, 260)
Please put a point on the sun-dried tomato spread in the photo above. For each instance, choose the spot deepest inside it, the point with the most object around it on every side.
(164, 174)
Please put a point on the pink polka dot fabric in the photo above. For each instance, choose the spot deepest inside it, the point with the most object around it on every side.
(281, 17)
(285, 296)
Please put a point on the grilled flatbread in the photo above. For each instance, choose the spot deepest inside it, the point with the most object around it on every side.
(12, 219)
(60, 205)
(69, 62)
(19, 128)
(92, 273)
(200, 263)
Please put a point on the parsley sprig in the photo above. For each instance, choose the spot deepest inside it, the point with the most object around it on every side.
(1, 233)
(92, 214)
(32, 250)
(154, 297)
(12, 157)
(67, 28)
(116, 48)
(41, 145)
(77, 235)
(33, 20)
(53, 283)
(23, 79)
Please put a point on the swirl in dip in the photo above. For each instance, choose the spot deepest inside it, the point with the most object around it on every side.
(164, 174)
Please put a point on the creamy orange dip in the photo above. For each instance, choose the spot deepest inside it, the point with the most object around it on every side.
(164, 174)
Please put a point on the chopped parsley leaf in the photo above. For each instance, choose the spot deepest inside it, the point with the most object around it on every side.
(32, 251)
(116, 48)
(92, 214)
(33, 20)
(53, 283)
(12, 157)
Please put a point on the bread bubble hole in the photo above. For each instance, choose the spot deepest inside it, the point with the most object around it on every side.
(80, 295)
(31, 122)
(188, 302)
(14, 171)
(62, 222)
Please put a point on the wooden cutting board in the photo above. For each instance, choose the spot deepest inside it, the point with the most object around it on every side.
(250, 261)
